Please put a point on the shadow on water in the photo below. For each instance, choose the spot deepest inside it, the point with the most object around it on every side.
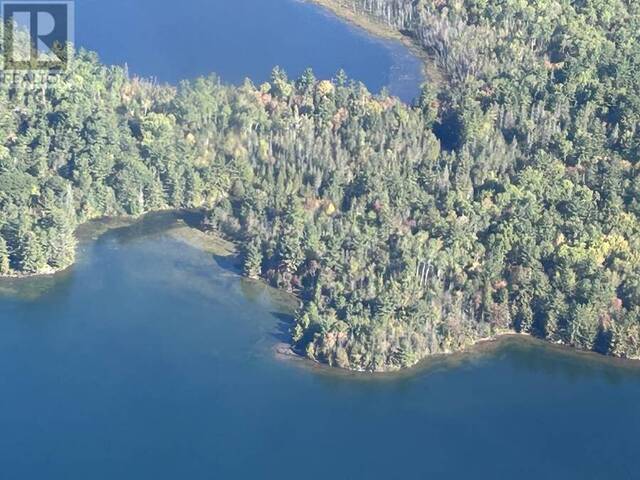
(184, 227)
(231, 263)
(282, 332)
(521, 353)
(178, 228)
(123, 230)
(147, 226)
(31, 289)
(528, 354)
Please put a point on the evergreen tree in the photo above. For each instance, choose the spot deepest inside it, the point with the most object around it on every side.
(253, 259)
(4, 257)
(30, 256)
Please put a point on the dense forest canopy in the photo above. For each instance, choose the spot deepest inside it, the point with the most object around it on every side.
(506, 199)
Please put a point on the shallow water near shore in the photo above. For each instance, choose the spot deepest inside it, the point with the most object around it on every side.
(152, 358)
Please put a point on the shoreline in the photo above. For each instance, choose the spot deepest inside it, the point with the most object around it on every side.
(378, 29)
(363, 21)
(91, 230)
(382, 31)
(197, 238)
(479, 349)
(49, 272)
(218, 245)
(81, 236)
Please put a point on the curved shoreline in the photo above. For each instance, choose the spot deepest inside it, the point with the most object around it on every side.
(480, 349)
(380, 30)
(92, 230)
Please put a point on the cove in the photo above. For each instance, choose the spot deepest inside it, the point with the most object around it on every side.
(151, 358)
(173, 41)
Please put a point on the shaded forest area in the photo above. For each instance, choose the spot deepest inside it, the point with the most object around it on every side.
(506, 202)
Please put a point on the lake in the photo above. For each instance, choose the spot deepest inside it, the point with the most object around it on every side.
(172, 41)
(153, 359)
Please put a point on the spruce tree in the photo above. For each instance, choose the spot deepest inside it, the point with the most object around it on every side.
(4, 257)
(253, 259)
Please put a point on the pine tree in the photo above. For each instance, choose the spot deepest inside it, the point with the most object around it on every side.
(291, 252)
(31, 258)
(253, 259)
(4, 257)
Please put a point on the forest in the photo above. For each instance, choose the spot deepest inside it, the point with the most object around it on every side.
(504, 200)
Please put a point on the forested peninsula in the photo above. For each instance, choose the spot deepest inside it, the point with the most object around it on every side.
(505, 200)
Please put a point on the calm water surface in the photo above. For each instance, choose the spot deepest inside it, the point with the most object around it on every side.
(152, 359)
(174, 40)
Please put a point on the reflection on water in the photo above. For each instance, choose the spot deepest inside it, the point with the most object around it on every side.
(32, 288)
(523, 354)
(529, 355)
(150, 359)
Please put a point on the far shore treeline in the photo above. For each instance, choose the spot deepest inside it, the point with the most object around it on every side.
(506, 199)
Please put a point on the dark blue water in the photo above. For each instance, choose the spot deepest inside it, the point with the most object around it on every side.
(150, 359)
(174, 40)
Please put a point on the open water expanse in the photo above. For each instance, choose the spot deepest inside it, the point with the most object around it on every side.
(151, 358)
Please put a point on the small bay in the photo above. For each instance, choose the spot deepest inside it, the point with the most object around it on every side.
(152, 358)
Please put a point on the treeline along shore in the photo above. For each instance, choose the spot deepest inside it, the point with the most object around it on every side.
(504, 200)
